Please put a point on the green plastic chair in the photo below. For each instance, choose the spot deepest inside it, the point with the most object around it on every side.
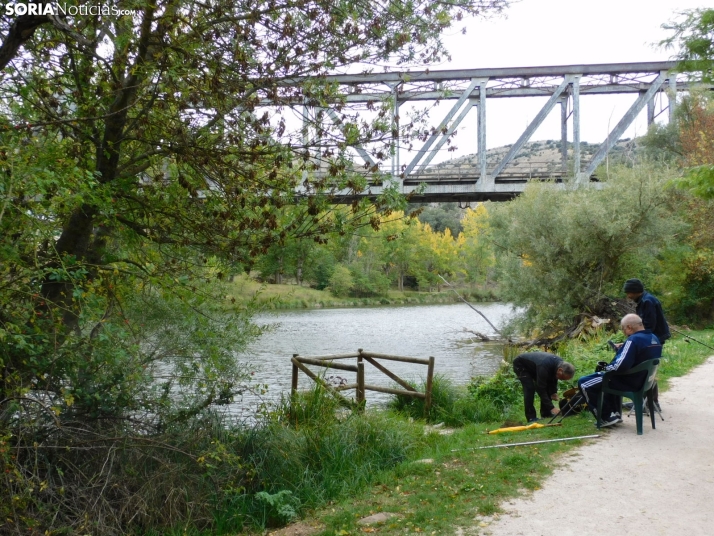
(638, 396)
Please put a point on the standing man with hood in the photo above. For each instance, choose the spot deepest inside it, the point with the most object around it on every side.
(649, 309)
(539, 372)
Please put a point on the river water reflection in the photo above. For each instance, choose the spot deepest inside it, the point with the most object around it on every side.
(415, 331)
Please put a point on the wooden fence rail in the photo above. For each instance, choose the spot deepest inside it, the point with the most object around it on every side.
(329, 362)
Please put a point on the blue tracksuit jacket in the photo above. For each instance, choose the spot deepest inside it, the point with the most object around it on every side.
(638, 347)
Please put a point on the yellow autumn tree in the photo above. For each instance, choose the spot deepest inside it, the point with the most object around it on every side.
(476, 251)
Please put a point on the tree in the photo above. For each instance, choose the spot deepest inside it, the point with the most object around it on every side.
(341, 281)
(561, 252)
(139, 161)
(157, 116)
(693, 36)
(442, 217)
(401, 237)
(369, 267)
(436, 255)
(476, 252)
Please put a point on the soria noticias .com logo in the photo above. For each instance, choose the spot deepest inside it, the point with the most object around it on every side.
(62, 8)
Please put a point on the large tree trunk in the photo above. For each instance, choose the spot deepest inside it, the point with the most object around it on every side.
(20, 32)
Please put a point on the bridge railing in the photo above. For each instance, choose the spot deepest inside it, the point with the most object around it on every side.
(468, 173)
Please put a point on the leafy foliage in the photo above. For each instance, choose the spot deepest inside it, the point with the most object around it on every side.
(341, 281)
(685, 269)
(278, 507)
(139, 166)
(693, 37)
(484, 400)
(395, 248)
(561, 251)
(442, 217)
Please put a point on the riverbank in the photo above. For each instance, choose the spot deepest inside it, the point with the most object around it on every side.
(290, 296)
(452, 485)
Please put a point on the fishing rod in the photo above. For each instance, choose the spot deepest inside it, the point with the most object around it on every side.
(690, 337)
(530, 442)
(472, 307)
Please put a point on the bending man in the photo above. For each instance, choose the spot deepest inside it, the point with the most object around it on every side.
(539, 372)
(641, 345)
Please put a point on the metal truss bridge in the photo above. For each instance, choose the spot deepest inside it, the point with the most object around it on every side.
(469, 89)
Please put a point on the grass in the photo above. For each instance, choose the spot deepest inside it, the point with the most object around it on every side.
(456, 481)
(272, 296)
(447, 481)
(332, 469)
(485, 400)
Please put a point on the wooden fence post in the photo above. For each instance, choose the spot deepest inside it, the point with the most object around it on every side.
(360, 385)
(360, 381)
(295, 378)
(429, 381)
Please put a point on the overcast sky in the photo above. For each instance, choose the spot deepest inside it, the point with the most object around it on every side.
(557, 32)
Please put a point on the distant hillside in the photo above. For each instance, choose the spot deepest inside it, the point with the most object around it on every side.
(540, 156)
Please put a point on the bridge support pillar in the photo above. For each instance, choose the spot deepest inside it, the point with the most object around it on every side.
(650, 112)
(305, 126)
(576, 129)
(672, 95)
(564, 133)
(481, 130)
(395, 137)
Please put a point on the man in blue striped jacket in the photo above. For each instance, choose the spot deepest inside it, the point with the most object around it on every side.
(641, 345)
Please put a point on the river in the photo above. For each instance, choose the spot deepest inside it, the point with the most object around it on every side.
(416, 331)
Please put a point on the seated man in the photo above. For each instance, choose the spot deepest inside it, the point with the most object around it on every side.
(641, 345)
(539, 372)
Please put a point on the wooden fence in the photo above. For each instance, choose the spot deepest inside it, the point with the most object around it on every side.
(330, 362)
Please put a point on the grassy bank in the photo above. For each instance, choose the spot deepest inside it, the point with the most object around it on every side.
(447, 481)
(272, 296)
(309, 459)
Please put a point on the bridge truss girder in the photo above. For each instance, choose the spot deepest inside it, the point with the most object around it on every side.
(473, 88)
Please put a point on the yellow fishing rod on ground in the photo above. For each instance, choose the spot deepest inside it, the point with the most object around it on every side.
(533, 426)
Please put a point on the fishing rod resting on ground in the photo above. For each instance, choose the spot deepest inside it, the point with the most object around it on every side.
(530, 442)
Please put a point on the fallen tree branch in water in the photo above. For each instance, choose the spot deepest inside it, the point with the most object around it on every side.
(472, 307)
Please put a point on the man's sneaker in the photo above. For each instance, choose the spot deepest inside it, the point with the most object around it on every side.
(534, 419)
(613, 422)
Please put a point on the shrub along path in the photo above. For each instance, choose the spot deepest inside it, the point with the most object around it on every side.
(657, 483)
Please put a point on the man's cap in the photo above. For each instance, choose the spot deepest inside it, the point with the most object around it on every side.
(633, 286)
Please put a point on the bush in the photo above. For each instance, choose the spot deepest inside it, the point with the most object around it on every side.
(305, 454)
(563, 251)
(484, 400)
(341, 281)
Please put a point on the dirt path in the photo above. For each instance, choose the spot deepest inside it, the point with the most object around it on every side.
(659, 483)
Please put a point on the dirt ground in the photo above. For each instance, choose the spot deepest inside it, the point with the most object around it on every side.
(659, 483)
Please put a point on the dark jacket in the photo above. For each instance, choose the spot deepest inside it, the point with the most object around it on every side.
(542, 367)
(649, 309)
(638, 347)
